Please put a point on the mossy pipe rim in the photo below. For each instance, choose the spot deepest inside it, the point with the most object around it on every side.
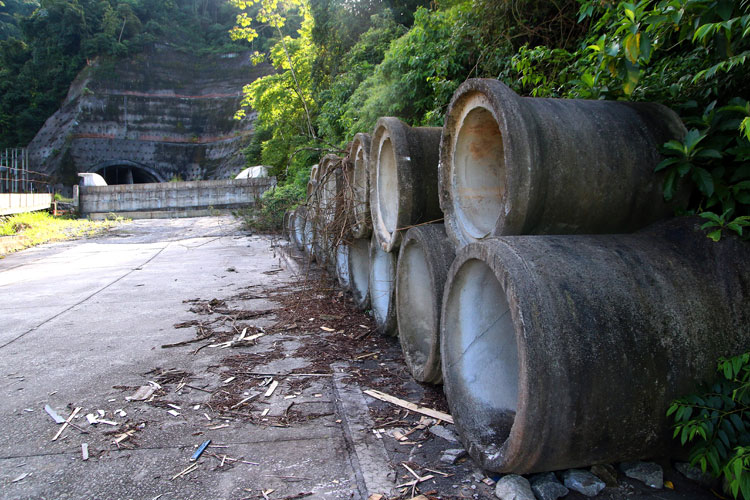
(609, 330)
(424, 258)
(360, 157)
(514, 165)
(403, 179)
(382, 285)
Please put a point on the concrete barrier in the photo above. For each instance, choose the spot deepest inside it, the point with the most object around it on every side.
(16, 203)
(171, 199)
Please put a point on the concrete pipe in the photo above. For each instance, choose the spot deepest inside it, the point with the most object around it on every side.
(285, 223)
(519, 165)
(314, 173)
(289, 229)
(383, 287)
(342, 266)
(566, 351)
(300, 216)
(403, 179)
(359, 272)
(360, 157)
(425, 256)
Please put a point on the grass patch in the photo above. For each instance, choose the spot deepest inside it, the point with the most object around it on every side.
(40, 227)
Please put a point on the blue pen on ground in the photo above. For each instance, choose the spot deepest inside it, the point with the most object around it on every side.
(200, 450)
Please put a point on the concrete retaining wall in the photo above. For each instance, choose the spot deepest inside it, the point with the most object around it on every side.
(171, 199)
(14, 203)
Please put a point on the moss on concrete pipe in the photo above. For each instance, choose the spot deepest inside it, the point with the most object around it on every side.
(566, 351)
(359, 272)
(424, 258)
(383, 287)
(514, 165)
(403, 179)
(359, 154)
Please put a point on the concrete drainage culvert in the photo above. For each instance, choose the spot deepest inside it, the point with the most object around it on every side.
(425, 256)
(566, 351)
(521, 165)
(383, 287)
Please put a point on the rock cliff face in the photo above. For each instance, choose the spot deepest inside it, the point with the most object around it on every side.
(160, 115)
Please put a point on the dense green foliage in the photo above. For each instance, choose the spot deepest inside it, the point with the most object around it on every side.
(717, 422)
(688, 54)
(44, 44)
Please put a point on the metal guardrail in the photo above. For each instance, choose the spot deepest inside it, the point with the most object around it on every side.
(16, 176)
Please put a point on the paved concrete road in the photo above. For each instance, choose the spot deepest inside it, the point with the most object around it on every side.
(81, 325)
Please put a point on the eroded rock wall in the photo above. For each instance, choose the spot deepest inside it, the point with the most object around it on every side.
(163, 113)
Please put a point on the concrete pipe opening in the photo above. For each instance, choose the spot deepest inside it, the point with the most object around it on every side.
(383, 288)
(479, 171)
(359, 272)
(308, 235)
(342, 265)
(387, 185)
(300, 216)
(512, 165)
(424, 259)
(566, 351)
(290, 228)
(360, 154)
(403, 179)
(480, 354)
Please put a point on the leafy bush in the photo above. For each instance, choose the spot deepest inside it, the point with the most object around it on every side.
(268, 212)
(717, 424)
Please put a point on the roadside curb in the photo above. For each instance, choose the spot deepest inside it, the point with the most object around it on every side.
(369, 457)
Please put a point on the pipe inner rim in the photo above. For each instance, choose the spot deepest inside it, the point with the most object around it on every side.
(387, 184)
(478, 170)
(416, 305)
(480, 354)
(382, 282)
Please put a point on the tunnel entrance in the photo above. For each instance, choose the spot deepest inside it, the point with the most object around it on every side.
(127, 172)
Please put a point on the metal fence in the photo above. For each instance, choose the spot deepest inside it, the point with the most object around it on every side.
(16, 176)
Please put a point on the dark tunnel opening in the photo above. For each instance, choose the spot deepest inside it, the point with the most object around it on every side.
(126, 174)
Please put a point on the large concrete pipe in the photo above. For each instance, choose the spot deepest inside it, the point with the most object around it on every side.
(314, 171)
(342, 265)
(359, 154)
(383, 287)
(565, 351)
(359, 272)
(425, 256)
(290, 228)
(519, 165)
(300, 216)
(331, 220)
(403, 179)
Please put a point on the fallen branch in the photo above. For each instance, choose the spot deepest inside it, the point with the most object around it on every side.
(409, 406)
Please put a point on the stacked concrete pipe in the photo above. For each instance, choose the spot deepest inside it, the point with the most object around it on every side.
(289, 226)
(519, 165)
(359, 272)
(403, 179)
(342, 265)
(300, 217)
(359, 155)
(566, 351)
(424, 259)
(382, 285)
